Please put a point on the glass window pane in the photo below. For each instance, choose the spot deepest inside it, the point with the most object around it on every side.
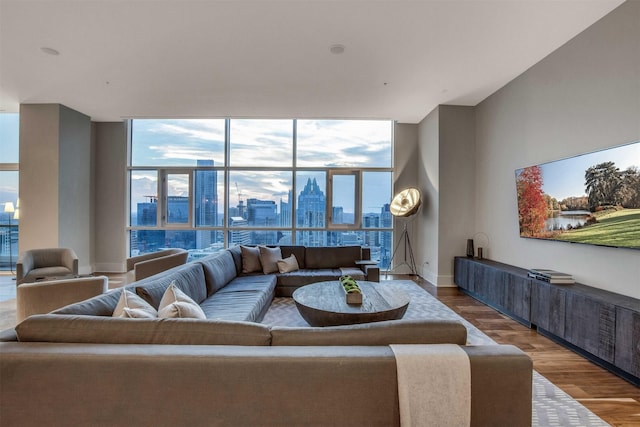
(343, 194)
(209, 198)
(260, 199)
(311, 204)
(9, 140)
(177, 198)
(9, 219)
(199, 243)
(376, 196)
(258, 237)
(162, 142)
(261, 142)
(344, 143)
(144, 198)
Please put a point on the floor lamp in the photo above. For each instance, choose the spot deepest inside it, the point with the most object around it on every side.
(404, 205)
(9, 209)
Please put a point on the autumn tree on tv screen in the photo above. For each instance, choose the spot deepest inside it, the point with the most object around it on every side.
(532, 207)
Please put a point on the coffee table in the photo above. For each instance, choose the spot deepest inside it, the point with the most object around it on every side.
(324, 304)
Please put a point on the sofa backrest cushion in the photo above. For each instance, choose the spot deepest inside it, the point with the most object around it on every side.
(189, 278)
(236, 253)
(115, 330)
(219, 269)
(377, 333)
(328, 257)
(100, 305)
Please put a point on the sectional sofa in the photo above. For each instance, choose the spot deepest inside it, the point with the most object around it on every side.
(80, 366)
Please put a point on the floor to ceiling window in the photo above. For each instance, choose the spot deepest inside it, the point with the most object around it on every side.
(9, 205)
(208, 184)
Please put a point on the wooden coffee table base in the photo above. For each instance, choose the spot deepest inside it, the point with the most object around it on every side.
(324, 304)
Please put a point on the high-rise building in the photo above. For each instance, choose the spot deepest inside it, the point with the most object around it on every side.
(311, 213)
(206, 203)
(262, 213)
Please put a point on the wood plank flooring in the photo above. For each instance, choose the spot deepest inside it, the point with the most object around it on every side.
(611, 398)
(608, 396)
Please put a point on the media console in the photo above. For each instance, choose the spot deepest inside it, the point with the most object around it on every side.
(600, 325)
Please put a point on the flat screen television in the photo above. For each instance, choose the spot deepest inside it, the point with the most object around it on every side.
(593, 198)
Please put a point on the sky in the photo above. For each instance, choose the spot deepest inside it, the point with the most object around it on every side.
(269, 143)
(565, 178)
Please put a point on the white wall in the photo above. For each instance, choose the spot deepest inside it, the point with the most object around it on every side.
(583, 97)
(445, 177)
(55, 180)
(110, 196)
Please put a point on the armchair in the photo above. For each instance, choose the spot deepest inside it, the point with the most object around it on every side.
(46, 296)
(42, 263)
(155, 262)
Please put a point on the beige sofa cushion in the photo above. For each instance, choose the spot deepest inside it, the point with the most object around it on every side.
(269, 258)
(110, 330)
(377, 333)
(177, 304)
(132, 306)
(288, 264)
(250, 259)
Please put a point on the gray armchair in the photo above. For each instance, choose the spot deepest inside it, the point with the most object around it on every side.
(37, 264)
(155, 262)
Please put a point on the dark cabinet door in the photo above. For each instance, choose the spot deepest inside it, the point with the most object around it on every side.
(548, 307)
(627, 355)
(516, 295)
(590, 325)
(463, 273)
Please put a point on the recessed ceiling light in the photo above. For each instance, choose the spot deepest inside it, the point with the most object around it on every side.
(50, 51)
(336, 49)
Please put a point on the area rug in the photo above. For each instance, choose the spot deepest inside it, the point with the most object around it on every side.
(551, 406)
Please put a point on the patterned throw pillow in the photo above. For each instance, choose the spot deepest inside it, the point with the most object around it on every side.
(269, 258)
(132, 306)
(288, 264)
(177, 304)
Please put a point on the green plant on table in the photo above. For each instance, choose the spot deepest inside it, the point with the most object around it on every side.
(350, 285)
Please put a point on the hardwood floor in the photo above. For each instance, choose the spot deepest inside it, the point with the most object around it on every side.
(608, 396)
(611, 398)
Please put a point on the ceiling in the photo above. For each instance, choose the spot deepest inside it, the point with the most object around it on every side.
(180, 58)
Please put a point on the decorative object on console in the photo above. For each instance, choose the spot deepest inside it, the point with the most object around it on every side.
(470, 250)
(551, 276)
(404, 205)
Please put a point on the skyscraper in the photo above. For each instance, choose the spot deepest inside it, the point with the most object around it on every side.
(311, 213)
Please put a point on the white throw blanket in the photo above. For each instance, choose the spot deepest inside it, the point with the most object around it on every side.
(434, 385)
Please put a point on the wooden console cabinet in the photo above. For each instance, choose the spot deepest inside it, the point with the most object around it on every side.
(600, 325)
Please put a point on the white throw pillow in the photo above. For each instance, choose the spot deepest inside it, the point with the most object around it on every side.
(177, 304)
(269, 258)
(288, 264)
(250, 259)
(132, 306)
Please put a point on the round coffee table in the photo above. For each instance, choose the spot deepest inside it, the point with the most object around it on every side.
(324, 304)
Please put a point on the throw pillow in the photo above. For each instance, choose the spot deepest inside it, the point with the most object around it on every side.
(177, 304)
(269, 259)
(288, 264)
(132, 306)
(250, 259)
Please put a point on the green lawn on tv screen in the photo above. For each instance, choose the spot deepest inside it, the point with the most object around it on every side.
(621, 228)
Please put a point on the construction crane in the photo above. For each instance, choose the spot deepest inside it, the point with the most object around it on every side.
(239, 194)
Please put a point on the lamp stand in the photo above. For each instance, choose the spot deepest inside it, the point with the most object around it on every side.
(407, 248)
(10, 250)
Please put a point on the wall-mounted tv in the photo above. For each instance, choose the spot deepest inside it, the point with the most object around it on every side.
(592, 198)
